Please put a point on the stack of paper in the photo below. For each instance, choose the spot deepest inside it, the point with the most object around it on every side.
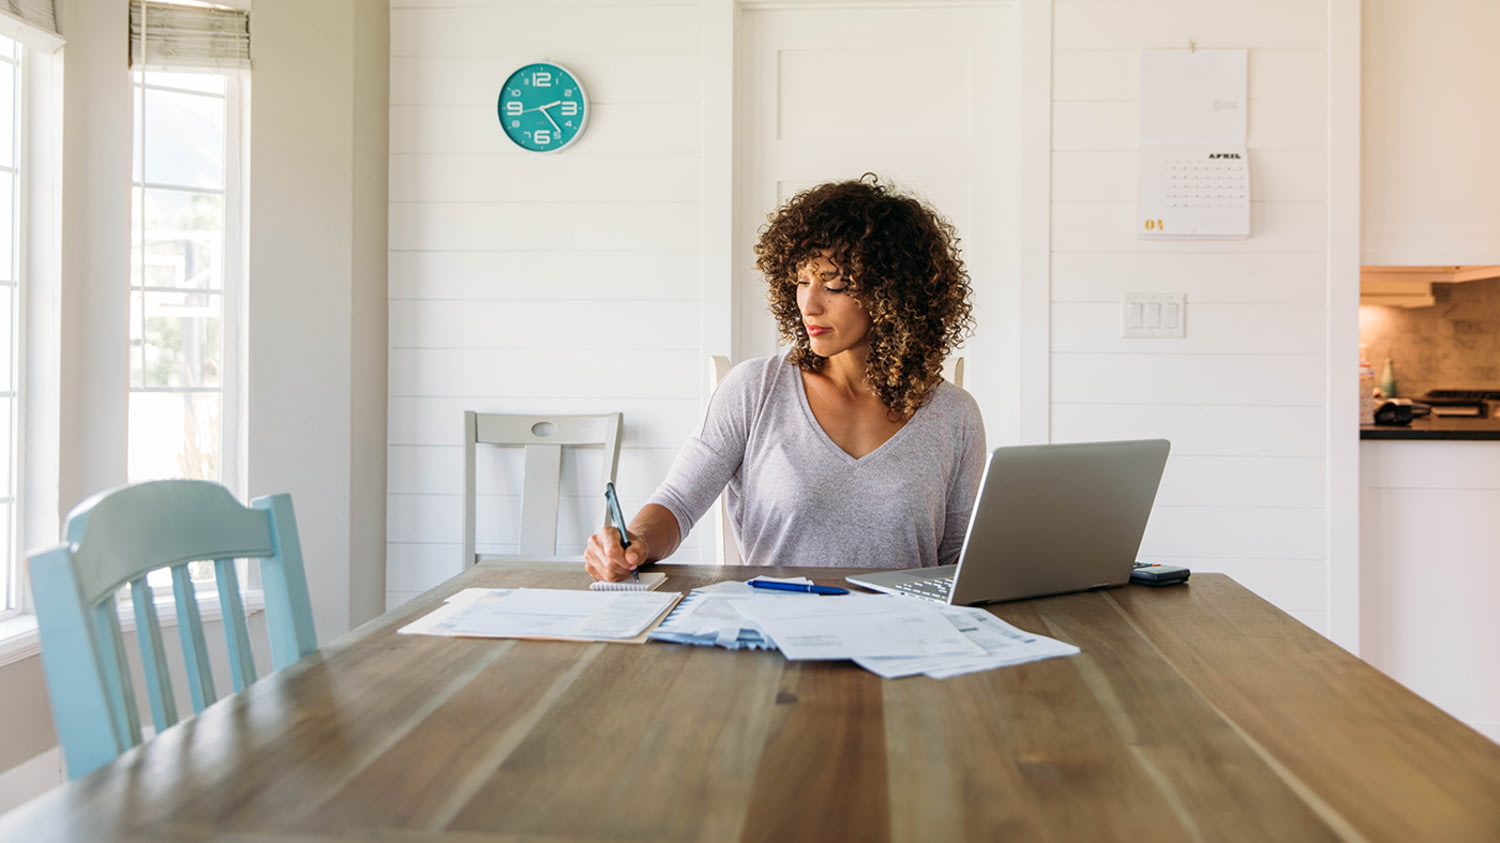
(887, 635)
(855, 626)
(707, 617)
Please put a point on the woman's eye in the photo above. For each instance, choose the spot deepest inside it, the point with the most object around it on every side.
(840, 289)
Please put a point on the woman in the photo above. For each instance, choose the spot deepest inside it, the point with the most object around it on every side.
(848, 449)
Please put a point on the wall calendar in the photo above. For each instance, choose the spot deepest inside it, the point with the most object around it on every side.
(1194, 166)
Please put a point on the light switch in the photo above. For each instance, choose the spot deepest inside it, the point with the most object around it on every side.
(1153, 315)
(1169, 315)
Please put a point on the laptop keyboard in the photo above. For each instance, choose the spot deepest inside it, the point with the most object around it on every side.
(936, 589)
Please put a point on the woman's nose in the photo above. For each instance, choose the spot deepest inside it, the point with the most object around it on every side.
(812, 300)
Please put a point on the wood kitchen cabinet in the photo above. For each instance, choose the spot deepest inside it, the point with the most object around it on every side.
(1430, 79)
(1430, 572)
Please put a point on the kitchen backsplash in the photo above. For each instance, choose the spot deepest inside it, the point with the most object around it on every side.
(1454, 344)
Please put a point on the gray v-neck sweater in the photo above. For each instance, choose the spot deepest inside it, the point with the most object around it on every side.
(796, 498)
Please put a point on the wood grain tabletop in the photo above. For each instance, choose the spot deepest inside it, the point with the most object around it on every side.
(1195, 712)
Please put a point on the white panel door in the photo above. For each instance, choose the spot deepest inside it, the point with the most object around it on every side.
(927, 99)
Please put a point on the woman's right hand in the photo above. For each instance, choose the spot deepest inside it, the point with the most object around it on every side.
(606, 560)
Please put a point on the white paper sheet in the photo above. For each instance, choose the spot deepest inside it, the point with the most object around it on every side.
(1002, 645)
(856, 625)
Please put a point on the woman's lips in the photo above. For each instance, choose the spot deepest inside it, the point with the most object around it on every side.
(817, 330)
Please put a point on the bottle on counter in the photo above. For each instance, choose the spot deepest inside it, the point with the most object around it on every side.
(1388, 379)
(1366, 391)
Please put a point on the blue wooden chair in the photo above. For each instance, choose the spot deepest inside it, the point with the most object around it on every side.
(118, 537)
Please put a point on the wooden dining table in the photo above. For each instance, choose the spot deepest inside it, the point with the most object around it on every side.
(1194, 712)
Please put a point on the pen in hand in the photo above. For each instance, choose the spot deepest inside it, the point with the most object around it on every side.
(615, 515)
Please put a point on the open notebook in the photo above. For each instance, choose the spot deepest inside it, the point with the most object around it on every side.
(648, 582)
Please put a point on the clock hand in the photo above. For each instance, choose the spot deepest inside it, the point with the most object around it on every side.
(543, 110)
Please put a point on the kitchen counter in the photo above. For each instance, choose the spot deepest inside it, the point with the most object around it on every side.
(1437, 427)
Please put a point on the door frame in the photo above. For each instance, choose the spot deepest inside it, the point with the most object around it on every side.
(1028, 324)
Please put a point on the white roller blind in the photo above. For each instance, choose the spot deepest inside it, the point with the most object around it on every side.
(171, 35)
(32, 22)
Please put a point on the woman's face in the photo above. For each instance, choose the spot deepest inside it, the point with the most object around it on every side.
(835, 320)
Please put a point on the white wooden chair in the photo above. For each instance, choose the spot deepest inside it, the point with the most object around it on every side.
(728, 550)
(953, 371)
(543, 438)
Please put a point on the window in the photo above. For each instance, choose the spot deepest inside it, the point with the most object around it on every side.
(185, 280)
(189, 66)
(10, 309)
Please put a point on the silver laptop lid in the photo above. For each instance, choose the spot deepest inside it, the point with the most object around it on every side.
(1057, 518)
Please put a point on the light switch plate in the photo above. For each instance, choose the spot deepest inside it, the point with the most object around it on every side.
(1153, 315)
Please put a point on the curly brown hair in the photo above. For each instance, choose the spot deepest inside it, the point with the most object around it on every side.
(901, 260)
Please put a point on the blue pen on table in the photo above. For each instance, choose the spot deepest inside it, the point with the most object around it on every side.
(618, 518)
(797, 586)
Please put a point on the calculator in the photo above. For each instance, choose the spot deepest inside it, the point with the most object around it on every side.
(1147, 573)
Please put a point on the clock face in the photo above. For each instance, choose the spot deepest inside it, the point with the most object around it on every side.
(542, 107)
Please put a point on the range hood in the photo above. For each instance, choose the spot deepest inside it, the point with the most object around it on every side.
(1411, 286)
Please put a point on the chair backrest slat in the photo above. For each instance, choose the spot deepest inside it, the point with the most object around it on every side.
(114, 673)
(118, 538)
(200, 676)
(153, 655)
(540, 500)
(236, 632)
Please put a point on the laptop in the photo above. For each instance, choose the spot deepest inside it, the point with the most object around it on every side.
(1050, 519)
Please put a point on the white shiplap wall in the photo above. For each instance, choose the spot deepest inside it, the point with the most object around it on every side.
(570, 283)
(519, 282)
(1242, 395)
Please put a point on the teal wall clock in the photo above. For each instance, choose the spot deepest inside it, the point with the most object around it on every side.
(543, 107)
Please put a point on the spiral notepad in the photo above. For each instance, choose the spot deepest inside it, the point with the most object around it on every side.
(648, 582)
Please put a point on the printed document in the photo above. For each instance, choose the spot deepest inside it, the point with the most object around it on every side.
(856, 625)
(1002, 644)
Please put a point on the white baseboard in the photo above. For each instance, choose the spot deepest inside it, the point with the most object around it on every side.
(31, 778)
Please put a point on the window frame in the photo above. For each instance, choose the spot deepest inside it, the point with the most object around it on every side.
(232, 292)
(36, 436)
(14, 594)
